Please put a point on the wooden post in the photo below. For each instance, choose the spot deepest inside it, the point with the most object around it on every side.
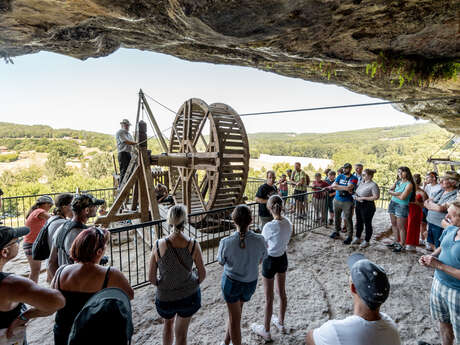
(154, 122)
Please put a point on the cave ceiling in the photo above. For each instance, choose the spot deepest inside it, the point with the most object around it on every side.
(379, 48)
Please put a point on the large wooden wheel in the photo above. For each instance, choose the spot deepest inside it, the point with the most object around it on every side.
(215, 143)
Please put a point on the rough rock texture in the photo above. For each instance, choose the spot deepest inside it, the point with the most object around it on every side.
(328, 41)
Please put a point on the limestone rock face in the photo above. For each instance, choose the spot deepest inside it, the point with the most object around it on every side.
(329, 41)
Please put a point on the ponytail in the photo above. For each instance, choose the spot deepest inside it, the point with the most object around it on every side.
(242, 217)
(176, 217)
(275, 205)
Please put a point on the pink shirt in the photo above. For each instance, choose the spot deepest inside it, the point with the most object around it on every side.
(35, 224)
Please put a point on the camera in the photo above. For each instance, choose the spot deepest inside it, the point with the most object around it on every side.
(344, 193)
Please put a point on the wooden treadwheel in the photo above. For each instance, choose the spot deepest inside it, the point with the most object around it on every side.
(213, 137)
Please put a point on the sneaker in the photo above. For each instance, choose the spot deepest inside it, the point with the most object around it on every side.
(347, 240)
(390, 245)
(334, 235)
(260, 330)
(398, 248)
(276, 323)
(356, 240)
(421, 242)
(364, 244)
(410, 248)
(428, 246)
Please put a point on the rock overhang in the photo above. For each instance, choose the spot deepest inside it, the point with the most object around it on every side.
(327, 41)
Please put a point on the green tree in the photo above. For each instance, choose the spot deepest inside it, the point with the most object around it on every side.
(55, 165)
(100, 166)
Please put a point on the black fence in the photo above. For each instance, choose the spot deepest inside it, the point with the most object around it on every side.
(14, 208)
(131, 245)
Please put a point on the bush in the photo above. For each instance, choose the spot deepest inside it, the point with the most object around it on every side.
(9, 157)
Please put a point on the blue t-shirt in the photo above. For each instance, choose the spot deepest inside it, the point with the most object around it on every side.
(450, 255)
(400, 188)
(242, 264)
(344, 180)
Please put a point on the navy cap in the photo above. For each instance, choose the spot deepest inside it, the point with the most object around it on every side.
(370, 280)
(7, 234)
(347, 165)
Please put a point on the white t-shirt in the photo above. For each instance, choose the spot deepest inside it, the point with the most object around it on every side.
(277, 234)
(432, 190)
(354, 330)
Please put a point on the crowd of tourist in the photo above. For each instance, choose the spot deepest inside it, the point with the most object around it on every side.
(421, 213)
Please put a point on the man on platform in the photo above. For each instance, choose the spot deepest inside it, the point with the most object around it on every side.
(125, 141)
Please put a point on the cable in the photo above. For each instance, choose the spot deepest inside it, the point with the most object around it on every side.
(442, 146)
(164, 106)
(347, 106)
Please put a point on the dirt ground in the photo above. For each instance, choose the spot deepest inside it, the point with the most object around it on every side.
(317, 288)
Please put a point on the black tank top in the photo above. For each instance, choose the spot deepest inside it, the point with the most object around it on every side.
(75, 301)
(6, 317)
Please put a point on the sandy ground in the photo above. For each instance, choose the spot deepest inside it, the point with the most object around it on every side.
(317, 288)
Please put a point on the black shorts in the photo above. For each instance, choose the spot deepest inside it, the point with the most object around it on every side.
(299, 195)
(272, 265)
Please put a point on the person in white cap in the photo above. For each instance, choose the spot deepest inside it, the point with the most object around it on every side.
(125, 141)
(370, 288)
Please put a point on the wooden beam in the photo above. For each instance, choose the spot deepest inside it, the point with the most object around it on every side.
(154, 122)
(150, 189)
(121, 197)
(120, 216)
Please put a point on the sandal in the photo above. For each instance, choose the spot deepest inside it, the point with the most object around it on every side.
(260, 330)
(276, 323)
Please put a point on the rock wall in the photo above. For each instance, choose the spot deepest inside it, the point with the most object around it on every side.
(328, 41)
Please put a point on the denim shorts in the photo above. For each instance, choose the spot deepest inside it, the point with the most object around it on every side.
(399, 210)
(272, 265)
(235, 291)
(434, 234)
(184, 307)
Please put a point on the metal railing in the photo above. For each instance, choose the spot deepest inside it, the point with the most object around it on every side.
(131, 245)
(14, 208)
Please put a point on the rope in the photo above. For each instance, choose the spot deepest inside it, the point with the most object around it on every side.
(348, 106)
(164, 106)
(443, 146)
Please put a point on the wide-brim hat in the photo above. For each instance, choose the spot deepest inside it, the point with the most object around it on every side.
(7, 234)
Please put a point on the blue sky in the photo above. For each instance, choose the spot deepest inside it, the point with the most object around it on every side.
(64, 92)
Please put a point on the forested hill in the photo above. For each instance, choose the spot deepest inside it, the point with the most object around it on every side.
(371, 140)
(37, 137)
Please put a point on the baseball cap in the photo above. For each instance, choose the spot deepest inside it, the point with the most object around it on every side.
(125, 122)
(7, 234)
(81, 201)
(347, 165)
(370, 280)
(45, 199)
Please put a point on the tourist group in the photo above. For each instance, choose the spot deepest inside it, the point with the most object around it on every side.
(87, 296)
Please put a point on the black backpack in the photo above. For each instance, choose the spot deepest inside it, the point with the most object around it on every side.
(105, 319)
(41, 249)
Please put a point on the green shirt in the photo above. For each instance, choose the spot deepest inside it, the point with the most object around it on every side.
(296, 177)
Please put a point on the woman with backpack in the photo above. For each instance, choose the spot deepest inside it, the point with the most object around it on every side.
(240, 254)
(35, 219)
(277, 234)
(178, 295)
(61, 213)
(80, 281)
